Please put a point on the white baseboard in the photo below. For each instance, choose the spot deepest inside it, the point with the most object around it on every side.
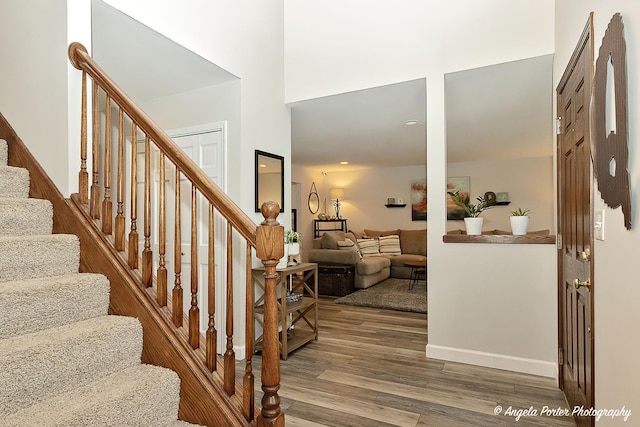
(493, 360)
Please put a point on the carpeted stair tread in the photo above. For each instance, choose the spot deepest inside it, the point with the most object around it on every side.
(26, 257)
(14, 182)
(32, 305)
(25, 216)
(4, 152)
(143, 395)
(44, 364)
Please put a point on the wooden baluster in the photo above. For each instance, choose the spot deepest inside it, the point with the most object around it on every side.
(120, 220)
(230, 355)
(83, 175)
(162, 240)
(147, 253)
(94, 207)
(133, 234)
(176, 294)
(194, 311)
(248, 403)
(270, 248)
(212, 334)
(107, 204)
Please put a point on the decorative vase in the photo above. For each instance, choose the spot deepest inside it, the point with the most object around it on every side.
(519, 225)
(473, 226)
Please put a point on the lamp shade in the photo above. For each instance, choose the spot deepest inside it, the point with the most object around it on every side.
(336, 193)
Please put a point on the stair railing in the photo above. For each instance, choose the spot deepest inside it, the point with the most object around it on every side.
(267, 239)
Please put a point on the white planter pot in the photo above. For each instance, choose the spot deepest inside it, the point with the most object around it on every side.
(294, 248)
(473, 226)
(519, 225)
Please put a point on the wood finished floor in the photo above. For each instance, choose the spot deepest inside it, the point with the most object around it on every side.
(368, 368)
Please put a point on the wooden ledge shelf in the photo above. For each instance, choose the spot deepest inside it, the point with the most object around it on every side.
(530, 239)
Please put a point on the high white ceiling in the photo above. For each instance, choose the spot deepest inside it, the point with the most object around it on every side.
(367, 128)
(144, 63)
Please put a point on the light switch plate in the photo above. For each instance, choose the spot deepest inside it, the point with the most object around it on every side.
(598, 225)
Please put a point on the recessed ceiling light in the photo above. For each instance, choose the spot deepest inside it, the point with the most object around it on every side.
(262, 165)
(344, 163)
(411, 122)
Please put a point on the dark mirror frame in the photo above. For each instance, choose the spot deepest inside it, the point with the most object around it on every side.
(258, 155)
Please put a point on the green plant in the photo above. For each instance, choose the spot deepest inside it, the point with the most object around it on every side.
(471, 210)
(520, 212)
(291, 236)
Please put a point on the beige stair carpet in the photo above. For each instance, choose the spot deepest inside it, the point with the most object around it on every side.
(65, 361)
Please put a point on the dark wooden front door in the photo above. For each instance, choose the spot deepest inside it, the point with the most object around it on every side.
(575, 207)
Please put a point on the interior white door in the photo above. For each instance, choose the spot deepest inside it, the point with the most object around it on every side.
(205, 145)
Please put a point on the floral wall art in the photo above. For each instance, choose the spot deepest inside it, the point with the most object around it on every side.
(461, 184)
(419, 200)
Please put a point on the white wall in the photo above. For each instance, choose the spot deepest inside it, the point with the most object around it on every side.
(529, 183)
(369, 44)
(33, 80)
(616, 295)
(205, 105)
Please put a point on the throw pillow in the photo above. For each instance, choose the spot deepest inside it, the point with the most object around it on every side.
(390, 245)
(330, 239)
(368, 247)
(348, 245)
(378, 233)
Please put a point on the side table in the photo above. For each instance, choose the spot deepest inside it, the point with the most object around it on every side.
(300, 279)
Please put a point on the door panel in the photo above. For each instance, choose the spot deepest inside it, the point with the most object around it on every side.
(575, 206)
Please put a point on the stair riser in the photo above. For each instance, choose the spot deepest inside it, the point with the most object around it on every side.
(45, 364)
(142, 396)
(51, 302)
(14, 182)
(21, 217)
(3, 152)
(38, 256)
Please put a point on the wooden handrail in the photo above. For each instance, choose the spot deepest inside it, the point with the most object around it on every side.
(246, 227)
(267, 239)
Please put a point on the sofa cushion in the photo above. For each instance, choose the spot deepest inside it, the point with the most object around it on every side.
(372, 265)
(334, 256)
(413, 242)
(369, 247)
(330, 239)
(400, 260)
(389, 245)
(378, 233)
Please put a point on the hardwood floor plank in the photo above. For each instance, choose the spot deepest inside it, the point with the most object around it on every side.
(368, 369)
(426, 394)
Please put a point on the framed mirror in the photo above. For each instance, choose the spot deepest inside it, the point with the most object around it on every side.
(314, 202)
(269, 175)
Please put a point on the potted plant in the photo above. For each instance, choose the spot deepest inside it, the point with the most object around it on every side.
(292, 239)
(473, 220)
(519, 221)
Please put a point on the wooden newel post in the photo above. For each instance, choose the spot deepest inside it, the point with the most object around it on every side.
(270, 248)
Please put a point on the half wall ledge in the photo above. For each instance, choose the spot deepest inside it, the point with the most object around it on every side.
(530, 239)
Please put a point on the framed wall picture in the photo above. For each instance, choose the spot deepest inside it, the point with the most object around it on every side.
(461, 184)
(419, 200)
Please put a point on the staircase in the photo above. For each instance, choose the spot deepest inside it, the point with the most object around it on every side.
(64, 361)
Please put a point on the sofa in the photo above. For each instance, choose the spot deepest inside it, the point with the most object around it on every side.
(375, 255)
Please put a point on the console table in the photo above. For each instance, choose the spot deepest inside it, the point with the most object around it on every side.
(299, 279)
(320, 225)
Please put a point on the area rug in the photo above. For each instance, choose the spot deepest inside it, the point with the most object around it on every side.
(392, 294)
